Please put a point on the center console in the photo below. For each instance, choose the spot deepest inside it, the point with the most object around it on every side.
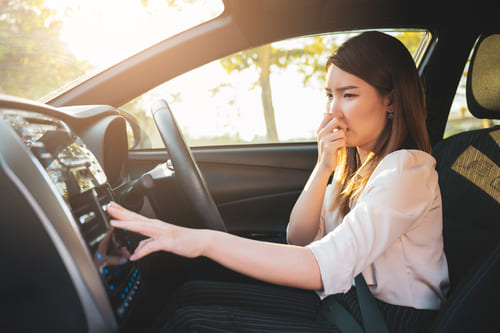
(73, 177)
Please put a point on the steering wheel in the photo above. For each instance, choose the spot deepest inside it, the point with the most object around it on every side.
(187, 173)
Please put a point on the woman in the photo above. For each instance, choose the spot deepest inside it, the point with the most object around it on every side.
(381, 216)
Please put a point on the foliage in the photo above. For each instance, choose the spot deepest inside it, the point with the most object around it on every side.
(33, 59)
(411, 40)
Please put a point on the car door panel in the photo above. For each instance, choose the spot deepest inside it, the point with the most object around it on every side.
(254, 187)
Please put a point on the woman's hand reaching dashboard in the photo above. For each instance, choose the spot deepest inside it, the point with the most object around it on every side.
(162, 236)
(271, 262)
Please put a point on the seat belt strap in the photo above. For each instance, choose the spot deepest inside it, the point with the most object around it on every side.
(373, 321)
(337, 315)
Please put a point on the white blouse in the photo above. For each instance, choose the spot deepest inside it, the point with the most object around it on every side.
(393, 234)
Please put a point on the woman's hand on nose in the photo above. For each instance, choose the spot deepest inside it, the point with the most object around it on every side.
(331, 139)
(327, 117)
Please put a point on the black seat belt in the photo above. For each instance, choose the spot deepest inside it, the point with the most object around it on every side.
(373, 321)
(336, 314)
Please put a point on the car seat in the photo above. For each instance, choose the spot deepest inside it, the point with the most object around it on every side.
(469, 178)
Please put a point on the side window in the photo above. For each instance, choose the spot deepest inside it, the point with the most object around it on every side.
(460, 119)
(270, 94)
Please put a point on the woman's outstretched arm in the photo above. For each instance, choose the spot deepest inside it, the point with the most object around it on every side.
(286, 265)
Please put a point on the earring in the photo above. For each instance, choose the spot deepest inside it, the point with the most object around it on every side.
(390, 115)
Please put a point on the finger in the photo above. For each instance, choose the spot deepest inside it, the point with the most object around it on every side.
(333, 124)
(121, 213)
(118, 209)
(332, 144)
(330, 126)
(334, 130)
(144, 242)
(326, 118)
(336, 144)
(331, 135)
(148, 247)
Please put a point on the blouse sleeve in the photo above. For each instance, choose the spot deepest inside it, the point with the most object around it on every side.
(396, 198)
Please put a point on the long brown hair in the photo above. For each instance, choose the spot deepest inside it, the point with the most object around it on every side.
(385, 63)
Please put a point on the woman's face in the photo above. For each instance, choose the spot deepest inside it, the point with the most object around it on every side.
(360, 111)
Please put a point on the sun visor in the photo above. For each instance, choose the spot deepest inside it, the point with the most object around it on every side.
(483, 80)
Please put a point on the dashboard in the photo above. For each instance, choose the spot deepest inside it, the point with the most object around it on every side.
(55, 191)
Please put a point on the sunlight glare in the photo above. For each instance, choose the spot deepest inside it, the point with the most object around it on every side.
(105, 32)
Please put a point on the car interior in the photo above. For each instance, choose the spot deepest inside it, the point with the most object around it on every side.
(63, 160)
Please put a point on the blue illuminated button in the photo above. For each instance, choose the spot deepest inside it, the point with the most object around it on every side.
(105, 271)
(111, 287)
(122, 296)
(98, 255)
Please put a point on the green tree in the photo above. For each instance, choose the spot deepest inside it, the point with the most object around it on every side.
(33, 59)
(310, 59)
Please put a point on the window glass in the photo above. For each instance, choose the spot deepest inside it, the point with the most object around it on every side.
(460, 119)
(48, 46)
(269, 94)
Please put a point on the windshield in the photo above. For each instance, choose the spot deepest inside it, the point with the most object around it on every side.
(49, 45)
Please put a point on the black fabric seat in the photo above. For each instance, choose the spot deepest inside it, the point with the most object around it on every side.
(469, 177)
(468, 163)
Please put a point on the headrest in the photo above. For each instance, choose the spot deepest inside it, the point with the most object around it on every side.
(483, 79)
